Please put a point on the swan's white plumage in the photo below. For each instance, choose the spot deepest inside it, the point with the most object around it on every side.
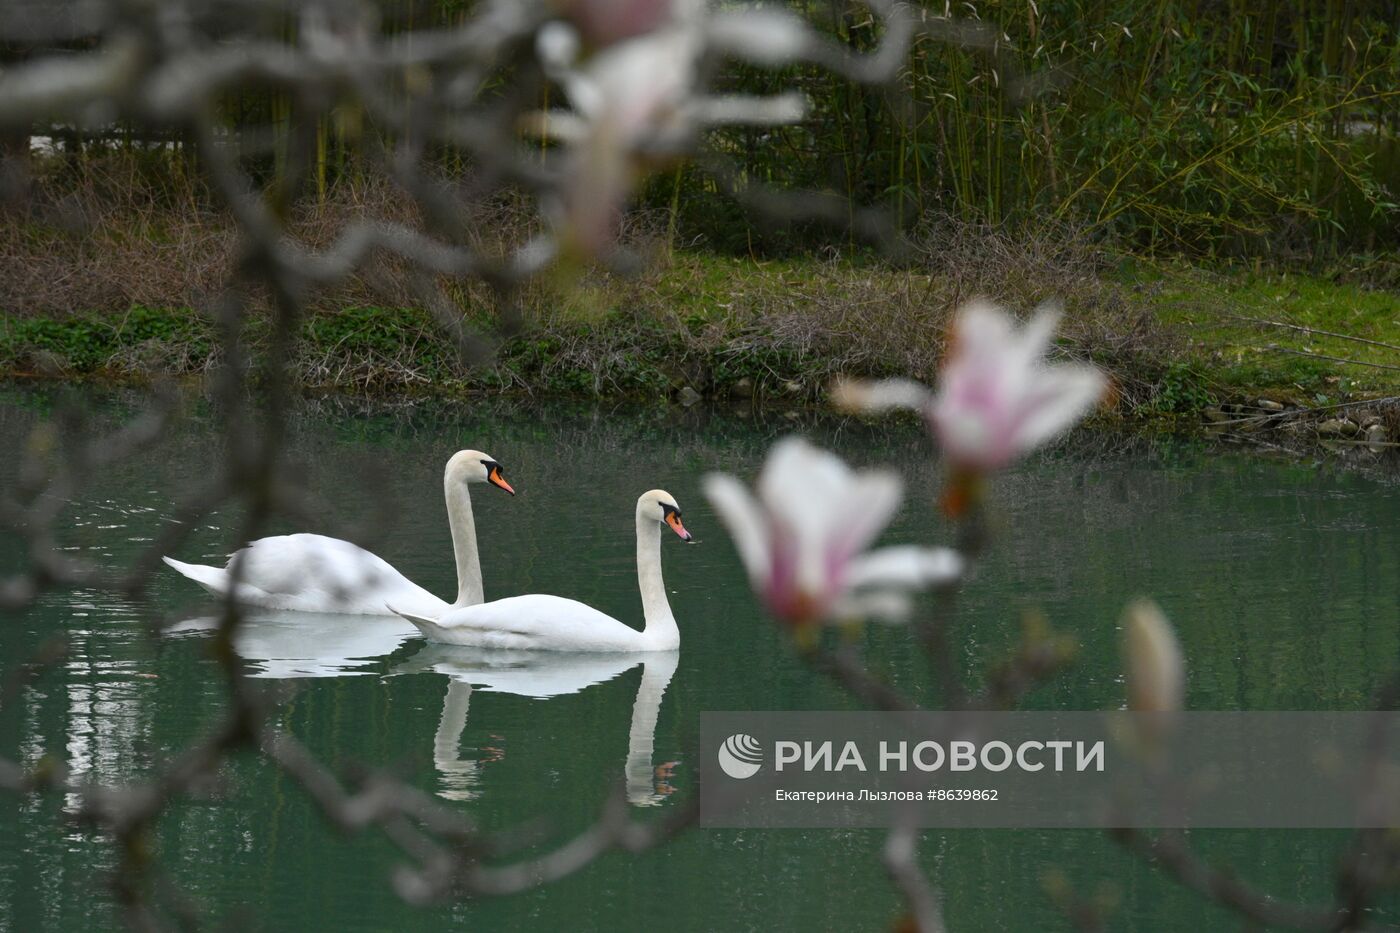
(535, 621)
(553, 623)
(315, 573)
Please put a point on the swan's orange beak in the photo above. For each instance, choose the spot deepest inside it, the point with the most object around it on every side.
(674, 521)
(496, 479)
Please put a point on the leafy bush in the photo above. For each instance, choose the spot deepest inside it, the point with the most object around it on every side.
(1181, 389)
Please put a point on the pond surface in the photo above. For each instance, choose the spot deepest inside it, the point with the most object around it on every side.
(1280, 576)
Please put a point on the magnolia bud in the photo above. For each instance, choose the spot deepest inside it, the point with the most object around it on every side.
(1152, 656)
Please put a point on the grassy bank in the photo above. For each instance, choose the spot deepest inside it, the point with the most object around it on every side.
(1179, 340)
(103, 273)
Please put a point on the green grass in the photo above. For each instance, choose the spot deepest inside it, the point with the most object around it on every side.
(87, 343)
(1173, 335)
(1211, 311)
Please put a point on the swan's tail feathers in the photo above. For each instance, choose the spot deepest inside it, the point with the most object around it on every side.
(424, 624)
(213, 579)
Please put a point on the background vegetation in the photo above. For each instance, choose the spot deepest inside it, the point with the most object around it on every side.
(1218, 127)
(1155, 166)
(1214, 127)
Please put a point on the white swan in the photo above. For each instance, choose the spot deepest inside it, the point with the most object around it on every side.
(314, 573)
(553, 623)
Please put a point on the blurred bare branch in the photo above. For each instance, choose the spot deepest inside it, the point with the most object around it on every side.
(471, 89)
(86, 67)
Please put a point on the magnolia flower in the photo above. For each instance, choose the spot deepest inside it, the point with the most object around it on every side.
(1156, 674)
(803, 538)
(631, 105)
(639, 101)
(997, 397)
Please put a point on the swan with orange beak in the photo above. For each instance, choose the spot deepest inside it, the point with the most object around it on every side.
(316, 573)
(543, 622)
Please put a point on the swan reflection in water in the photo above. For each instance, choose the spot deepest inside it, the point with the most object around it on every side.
(304, 644)
(286, 645)
(542, 675)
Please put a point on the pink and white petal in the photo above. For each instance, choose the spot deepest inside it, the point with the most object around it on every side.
(811, 513)
(744, 109)
(983, 373)
(799, 485)
(559, 125)
(1038, 335)
(604, 22)
(745, 520)
(1062, 395)
(557, 46)
(969, 438)
(763, 35)
(828, 512)
(865, 508)
(907, 566)
(585, 93)
(640, 81)
(882, 605)
(860, 395)
(860, 516)
(982, 333)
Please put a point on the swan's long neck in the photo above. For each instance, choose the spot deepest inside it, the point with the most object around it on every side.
(459, 517)
(660, 631)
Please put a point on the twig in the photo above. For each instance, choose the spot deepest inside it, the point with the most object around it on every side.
(1169, 850)
(901, 857)
(844, 667)
(614, 830)
(1315, 330)
(1324, 356)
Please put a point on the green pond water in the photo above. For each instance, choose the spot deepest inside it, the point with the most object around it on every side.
(1281, 578)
